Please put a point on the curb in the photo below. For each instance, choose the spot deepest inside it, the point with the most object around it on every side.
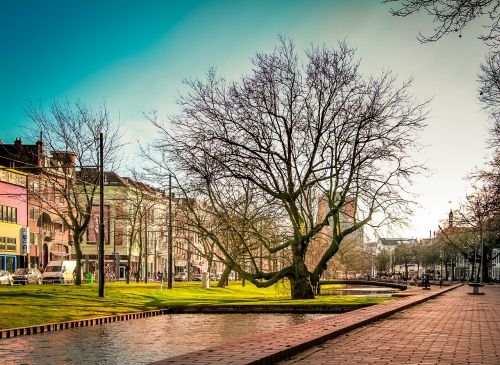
(52, 327)
(262, 309)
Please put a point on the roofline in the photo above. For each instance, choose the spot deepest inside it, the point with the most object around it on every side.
(13, 170)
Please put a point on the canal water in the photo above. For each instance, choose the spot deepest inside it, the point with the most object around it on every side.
(141, 341)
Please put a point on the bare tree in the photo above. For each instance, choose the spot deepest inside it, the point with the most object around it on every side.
(478, 215)
(350, 258)
(295, 134)
(73, 131)
(452, 16)
(231, 224)
(141, 208)
(490, 92)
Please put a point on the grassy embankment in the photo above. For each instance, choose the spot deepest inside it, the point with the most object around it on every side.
(33, 304)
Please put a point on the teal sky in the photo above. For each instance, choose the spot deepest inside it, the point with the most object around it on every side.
(134, 55)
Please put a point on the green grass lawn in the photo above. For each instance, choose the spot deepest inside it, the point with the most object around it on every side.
(34, 304)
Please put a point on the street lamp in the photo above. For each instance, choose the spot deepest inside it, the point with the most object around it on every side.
(170, 242)
(101, 217)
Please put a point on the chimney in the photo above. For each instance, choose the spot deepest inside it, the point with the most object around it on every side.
(17, 142)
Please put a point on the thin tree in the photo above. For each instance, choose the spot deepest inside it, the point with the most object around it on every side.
(297, 133)
(478, 216)
(489, 93)
(404, 254)
(74, 130)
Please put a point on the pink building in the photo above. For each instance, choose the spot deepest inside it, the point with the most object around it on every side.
(14, 233)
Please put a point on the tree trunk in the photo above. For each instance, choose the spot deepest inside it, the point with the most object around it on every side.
(139, 264)
(473, 269)
(210, 263)
(146, 249)
(300, 283)
(127, 271)
(130, 246)
(77, 240)
(484, 266)
(223, 279)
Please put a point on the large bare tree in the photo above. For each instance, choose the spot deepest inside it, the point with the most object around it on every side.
(451, 17)
(74, 131)
(293, 134)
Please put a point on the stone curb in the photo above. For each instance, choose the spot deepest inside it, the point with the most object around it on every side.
(52, 327)
(250, 308)
(274, 346)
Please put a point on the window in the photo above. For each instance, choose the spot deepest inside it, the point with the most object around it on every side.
(120, 211)
(8, 214)
(13, 215)
(53, 194)
(34, 213)
(34, 187)
(7, 244)
(119, 236)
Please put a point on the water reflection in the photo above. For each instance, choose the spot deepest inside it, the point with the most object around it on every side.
(141, 341)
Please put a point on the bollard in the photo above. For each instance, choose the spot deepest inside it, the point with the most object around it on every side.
(205, 280)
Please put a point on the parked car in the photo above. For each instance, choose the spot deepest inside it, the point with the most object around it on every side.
(5, 278)
(27, 276)
(215, 277)
(196, 277)
(180, 276)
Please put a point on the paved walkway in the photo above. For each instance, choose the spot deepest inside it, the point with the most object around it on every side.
(454, 328)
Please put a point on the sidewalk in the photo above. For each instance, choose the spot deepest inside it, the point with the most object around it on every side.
(450, 310)
(454, 328)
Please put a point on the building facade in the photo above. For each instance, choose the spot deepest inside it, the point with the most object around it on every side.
(49, 238)
(14, 231)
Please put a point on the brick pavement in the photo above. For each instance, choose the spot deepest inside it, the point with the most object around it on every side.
(272, 347)
(455, 328)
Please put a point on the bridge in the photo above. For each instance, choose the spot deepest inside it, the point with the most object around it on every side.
(385, 284)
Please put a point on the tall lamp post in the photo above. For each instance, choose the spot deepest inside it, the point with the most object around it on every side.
(170, 271)
(101, 217)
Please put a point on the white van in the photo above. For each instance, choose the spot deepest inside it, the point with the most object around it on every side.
(59, 272)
